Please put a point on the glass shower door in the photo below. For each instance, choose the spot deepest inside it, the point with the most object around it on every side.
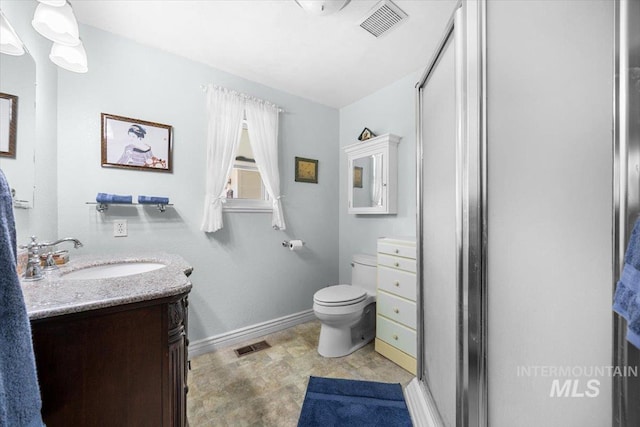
(439, 230)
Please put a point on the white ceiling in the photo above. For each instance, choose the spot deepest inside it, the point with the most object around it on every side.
(328, 59)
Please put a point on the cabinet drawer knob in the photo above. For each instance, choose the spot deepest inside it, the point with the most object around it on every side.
(396, 283)
(396, 311)
(395, 337)
(397, 251)
(397, 264)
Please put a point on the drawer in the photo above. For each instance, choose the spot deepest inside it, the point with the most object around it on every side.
(397, 250)
(397, 335)
(407, 264)
(397, 309)
(397, 282)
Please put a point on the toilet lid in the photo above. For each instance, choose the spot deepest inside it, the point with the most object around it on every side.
(340, 295)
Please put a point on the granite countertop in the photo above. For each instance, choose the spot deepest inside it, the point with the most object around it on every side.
(55, 296)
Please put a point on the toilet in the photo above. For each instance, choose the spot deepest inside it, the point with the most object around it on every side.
(347, 313)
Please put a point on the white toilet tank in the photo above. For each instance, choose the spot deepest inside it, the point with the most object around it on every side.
(364, 272)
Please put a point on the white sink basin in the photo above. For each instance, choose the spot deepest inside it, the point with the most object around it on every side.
(105, 271)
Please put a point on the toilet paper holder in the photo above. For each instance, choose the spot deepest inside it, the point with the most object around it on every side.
(287, 243)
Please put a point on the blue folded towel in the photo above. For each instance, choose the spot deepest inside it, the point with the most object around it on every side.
(20, 401)
(626, 301)
(153, 200)
(113, 198)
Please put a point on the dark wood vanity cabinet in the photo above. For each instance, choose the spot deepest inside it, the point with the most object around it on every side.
(178, 361)
(117, 366)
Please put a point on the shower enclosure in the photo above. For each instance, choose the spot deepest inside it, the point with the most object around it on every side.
(514, 190)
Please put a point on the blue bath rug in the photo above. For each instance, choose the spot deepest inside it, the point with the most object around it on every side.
(338, 402)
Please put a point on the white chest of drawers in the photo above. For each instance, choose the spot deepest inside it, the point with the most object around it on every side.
(396, 301)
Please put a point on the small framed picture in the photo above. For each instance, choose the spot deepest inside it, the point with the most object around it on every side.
(8, 124)
(357, 177)
(135, 144)
(366, 134)
(306, 170)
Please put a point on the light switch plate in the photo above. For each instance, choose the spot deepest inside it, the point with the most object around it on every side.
(120, 228)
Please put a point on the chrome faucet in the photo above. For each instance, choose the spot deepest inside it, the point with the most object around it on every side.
(76, 243)
(33, 271)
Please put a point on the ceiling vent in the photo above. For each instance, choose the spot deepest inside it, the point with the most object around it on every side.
(383, 17)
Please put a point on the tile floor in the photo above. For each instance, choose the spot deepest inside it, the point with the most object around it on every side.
(267, 388)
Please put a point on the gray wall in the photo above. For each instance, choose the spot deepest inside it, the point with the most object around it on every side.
(389, 110)
(242, 275)
(550, 193)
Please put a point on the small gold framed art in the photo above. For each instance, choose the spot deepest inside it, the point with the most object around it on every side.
(306, 170)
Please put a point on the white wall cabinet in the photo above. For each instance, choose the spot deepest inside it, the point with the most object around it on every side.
(396, 311)
(372, 175)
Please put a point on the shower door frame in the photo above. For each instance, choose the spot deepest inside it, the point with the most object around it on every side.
(626, 207)
(619, 232)
(468, 27)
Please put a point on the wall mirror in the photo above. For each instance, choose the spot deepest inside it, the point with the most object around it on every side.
(372, 175)
(19, 102)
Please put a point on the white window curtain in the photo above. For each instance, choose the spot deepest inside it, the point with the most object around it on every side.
(262, 123)
(225, 110)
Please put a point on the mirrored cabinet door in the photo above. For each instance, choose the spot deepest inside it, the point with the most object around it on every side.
(372, 175)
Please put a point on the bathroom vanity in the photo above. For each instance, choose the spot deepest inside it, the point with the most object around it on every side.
(112, 351)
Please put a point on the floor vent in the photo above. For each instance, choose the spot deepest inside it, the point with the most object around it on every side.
(252, 348)
(383, 17)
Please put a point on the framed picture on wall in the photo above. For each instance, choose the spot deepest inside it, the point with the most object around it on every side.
(366, 134)
(135, 144)
(8, 124)
(306, 170)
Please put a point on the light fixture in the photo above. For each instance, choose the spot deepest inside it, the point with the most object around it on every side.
(58, 24)
(10, 43)
(71, 58)
(322, 7)
(54, 19)
(56, 3)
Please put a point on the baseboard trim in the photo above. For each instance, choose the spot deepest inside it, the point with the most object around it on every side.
(421, 406)
(227, 339)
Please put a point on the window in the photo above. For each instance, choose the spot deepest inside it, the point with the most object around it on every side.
(245, 191)
(225, 109)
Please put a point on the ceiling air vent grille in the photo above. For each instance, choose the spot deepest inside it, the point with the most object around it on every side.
(383, 17)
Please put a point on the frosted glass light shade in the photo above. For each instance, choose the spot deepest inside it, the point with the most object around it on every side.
(58, 24)
(322, 7)
(56, 3)
(10, 43)
(72, 58)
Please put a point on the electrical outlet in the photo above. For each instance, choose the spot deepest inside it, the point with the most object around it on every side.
(120, 228)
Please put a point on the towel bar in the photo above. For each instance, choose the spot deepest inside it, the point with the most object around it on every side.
(101, 207)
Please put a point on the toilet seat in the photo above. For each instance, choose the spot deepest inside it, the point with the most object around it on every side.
(339, 295)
